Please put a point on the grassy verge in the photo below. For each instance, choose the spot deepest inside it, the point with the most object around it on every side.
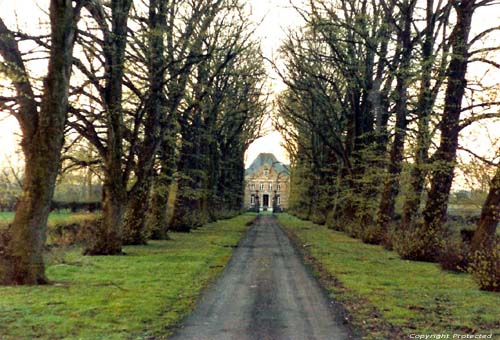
(142, 295)
(389, 298)
(54, 218)
(62, 228)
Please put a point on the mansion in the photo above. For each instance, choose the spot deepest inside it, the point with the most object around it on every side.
(267, 184)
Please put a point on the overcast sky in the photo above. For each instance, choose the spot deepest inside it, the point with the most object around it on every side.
(275, 17)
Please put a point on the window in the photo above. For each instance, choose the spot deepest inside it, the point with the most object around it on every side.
(270, 186)
(266, 172)
(278, 187)
(252, 199)
(253, 186)
(278, 199)
(261, 186)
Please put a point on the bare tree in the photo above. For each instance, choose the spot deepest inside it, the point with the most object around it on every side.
(42, 128)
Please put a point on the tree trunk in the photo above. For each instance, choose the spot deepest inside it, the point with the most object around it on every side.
(134, 226)
(390, 191)
(424, 109)
(444, 166)
(157, 216)
(157, 221)
(24, 263)
(188, 212)
(22, 260)
(490, 216)
(108, 239)
(108, 234)
(135, 219)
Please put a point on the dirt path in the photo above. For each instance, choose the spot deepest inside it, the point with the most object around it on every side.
(265, 292)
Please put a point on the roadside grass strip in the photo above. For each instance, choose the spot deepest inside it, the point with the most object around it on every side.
(390, 298)
(54, 218)
(142, 295)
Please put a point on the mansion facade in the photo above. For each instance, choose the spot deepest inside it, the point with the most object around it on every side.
(267, 184)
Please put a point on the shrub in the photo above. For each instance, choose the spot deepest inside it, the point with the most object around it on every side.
(224, 214)
(303, 215)
(93, 234)
(189, 220)
(372, 234)
(467, 234)
(416, 244)
(318, 218)
(5, 238)
(485, 267)
(64, 234)
(70, 231)
(352, 228)
(454, 255)
(5, 254)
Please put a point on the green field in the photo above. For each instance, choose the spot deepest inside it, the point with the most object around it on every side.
(377, 288)
(141, 295)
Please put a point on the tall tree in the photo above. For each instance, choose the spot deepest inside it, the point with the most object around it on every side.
(443, 168)
(224, 98)
(21, 259)
(435, 20)
(138, 196)
(390, 190)
(176, 43)
(108, 240)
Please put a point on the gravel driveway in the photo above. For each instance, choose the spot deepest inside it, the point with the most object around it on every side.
(265, 292)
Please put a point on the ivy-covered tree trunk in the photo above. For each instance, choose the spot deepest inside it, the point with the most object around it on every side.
(108, 237)
(443, 168)
(213, 202)
(486, 228)
(425, 105)
(21, 259)
(385, 212)
(157, 221)
(188, 211)
(230, 187)
(134, 225)
(135, 219)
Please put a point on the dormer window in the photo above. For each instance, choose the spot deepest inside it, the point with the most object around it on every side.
(266, 172)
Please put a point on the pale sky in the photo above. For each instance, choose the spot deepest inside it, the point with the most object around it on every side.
(275, 18)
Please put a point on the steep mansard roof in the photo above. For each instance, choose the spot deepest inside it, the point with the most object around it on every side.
(270, 160)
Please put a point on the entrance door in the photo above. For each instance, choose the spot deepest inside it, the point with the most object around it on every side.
(265, 199)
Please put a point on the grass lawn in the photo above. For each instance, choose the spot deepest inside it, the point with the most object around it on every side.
(141, 295)
(377, 287)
